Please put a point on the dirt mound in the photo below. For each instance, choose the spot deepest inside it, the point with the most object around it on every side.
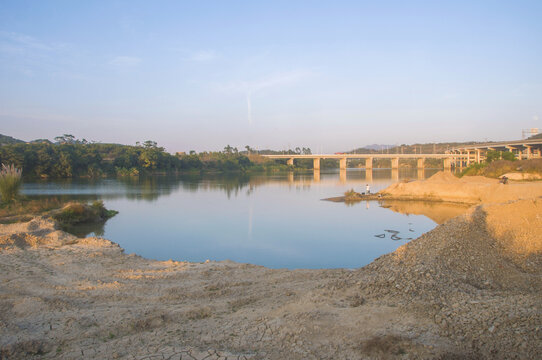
(442, 176)
(479, 276)
(472, 190)
(522, 176)
(517, 227)
(40, 231)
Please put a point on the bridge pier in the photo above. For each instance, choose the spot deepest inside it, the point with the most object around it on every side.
(342, 175)
(316, 164)
(421, 162)
(421, 173)
(290, 161)
(529, 152)
(395, 163)
(511, 149)
(447, 165)
(342, 164)
(478, 156)
(369, 175)
(369, 163)
(395, 174)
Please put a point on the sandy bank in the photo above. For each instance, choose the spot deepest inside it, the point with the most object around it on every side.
(470, 288)
(444, 186)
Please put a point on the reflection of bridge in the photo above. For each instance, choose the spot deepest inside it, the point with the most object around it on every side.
(343, 158)
(522, 149)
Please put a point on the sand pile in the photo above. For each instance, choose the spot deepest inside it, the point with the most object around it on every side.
(444, 186)
(523, 176)
(39, 231)
(479, 276)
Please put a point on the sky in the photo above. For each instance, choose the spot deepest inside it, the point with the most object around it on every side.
(329, 75)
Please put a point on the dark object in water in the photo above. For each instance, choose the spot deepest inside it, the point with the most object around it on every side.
(392, 231)
(380, 236)
(411, 230)
(395, 237)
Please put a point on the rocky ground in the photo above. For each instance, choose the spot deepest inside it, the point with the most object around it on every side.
(470, 288)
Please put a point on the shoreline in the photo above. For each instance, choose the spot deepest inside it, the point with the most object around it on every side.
(445, 187)
(470, 288)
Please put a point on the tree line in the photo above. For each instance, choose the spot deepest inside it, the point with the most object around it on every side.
(71, 157)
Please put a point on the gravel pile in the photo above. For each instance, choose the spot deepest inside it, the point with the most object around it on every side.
(483, 294)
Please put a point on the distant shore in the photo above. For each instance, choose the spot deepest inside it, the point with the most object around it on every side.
(471, 288)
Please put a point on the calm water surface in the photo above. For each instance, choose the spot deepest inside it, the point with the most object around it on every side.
(278, 221)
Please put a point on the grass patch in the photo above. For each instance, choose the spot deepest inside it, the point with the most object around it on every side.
(24, 209)
(78, 213)
(498, 168)
(10, 183)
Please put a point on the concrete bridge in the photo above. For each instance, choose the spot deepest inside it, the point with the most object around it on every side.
(522, 149)
(343, 158)
(458, 157)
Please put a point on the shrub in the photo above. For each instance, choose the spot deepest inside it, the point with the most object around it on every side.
(350, 193)
(78, 213)
(474, 169)
(10, 182)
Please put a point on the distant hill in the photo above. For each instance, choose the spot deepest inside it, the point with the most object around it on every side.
(537, 136)
(433, 148)
(378, 146)
(5, 140)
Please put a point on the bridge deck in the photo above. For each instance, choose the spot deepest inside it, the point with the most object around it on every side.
(501, 145)
(364, 156)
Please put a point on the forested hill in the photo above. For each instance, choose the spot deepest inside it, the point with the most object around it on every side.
(61, 160)
(70, 157)
(4, 140)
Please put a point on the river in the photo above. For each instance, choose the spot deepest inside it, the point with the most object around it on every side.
(274, 220)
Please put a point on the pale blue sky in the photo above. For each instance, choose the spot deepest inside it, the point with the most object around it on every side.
(331, 75)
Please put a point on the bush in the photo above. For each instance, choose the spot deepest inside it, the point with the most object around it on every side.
(10, 182)
(497, 168)
(350, 193)
(78, 213)
(474, 169)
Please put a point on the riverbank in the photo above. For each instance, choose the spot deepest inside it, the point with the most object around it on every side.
(445, 187)
(470, 288)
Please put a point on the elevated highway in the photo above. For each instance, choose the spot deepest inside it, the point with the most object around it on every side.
(457, 157)
(522, 149)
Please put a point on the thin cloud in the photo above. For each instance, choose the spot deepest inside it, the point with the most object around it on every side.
(203, 56)
(270, 81)
(17, 43)
(125, 61)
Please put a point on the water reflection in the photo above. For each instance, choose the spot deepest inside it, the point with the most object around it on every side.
(150, 188)
(276, 220)
(439, 212)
